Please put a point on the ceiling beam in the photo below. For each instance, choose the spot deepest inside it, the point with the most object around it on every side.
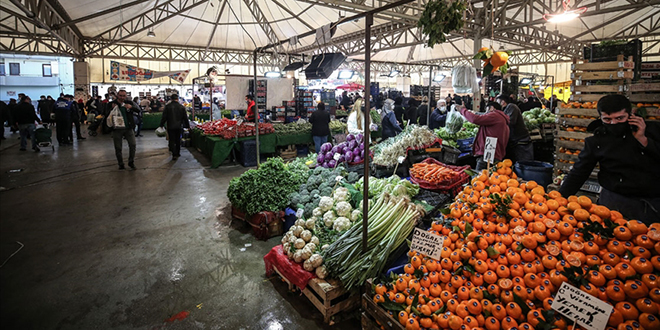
(215, 26)
(43, 15)
(141, 22)
(112, 10)
(286, 9)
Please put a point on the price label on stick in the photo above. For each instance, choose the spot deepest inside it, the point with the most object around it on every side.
(489, 150)
(581, 307)
(426, 243)
(336, 157)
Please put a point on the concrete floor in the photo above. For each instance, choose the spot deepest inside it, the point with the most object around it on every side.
(111, 249)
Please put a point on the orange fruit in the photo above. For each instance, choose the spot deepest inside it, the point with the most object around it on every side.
(584, 201)
(581, 214)
(572, 206)
(412, 324)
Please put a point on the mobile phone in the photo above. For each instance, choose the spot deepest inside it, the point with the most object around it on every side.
(633, 127)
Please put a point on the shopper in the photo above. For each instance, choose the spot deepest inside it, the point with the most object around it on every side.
(410, 116)
(25, 119)
(458, 100)
(627, 150)
(355, 122)
(137, 117)
(62, 110)
(13, 108)
(320, 120)
(520, 147)
(76, 114)
(4, 117)
(125, 107)
(251, 108)
(423, 111)
(398, 110)
(439, 115)
(391, 126)
(43, 109)
(176, 118)
(494, 123)
(144, 104)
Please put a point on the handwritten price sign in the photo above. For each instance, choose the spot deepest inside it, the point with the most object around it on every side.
(577, 305)
(427, 243)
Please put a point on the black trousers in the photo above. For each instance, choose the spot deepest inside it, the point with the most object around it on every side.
(175, 141)
(63, 129)
(77, 124)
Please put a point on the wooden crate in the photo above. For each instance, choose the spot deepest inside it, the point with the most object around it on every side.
(644, 93)
(380, 315)
(328, 296)
(368, 323)
(591, 81)
(535, 134)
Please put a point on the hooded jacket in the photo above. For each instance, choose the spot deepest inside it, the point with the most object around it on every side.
(493, 124)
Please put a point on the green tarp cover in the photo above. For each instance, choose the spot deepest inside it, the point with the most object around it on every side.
(151, 120)
(289, 139)
(218, 149)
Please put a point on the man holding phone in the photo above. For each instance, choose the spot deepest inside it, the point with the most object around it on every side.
(627, 149)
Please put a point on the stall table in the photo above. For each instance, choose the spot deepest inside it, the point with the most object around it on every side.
(218, 149)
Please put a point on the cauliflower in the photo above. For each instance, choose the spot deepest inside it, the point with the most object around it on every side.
(341, 194)
(308, 265)
(326, 203)
(325, 247)
(289, 254)
(355, 215)
(299, 243)
(306, 235)
(309, 224)
(297, 230)
(341, 224)
(314, 240)
(286, 246)
(329, 218)
(311, 246)
(306, 252)
(297, 256)
(316, 260)
(321, 272)
(300, 222)
(317, 212)
(343, 209)
(285, 239)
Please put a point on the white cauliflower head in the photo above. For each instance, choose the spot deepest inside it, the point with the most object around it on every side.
(329, 218)
(355, 215)
(343, 209)
(317, 212)
(326, 203)
(340, 194)
(341, 224)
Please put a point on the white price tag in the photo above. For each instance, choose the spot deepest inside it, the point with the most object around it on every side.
(338, 178)
(426, 243)
(401, 159)
(336, 157)
(489, 150)
(577, 305)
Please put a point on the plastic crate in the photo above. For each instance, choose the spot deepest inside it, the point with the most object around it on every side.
(247, 154)
(450, 155)
(465, 145)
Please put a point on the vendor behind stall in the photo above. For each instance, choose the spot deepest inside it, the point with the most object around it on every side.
(494, 123)
(251, 109)
(627, 150)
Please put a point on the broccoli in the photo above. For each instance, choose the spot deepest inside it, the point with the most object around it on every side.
(311, 181)
(319, 170)
(326, 184)
(314, 192)
(294, 197)
(305, 198)
(352, 177)
(303, 187)
(327, 191)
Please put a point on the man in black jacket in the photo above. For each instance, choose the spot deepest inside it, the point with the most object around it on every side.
(411, 112)
(320, 120)
(176, 118)
(423, 111)
(25, 119)
(519, 147)
(76, 113)
(125, 107)
(627, 149)
(398, 110)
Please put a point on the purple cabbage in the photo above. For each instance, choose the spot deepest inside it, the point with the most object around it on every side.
(326, 147)
(341, 159)
(352, 144)
(332, 163)
(357, 159)
(356, 152)
(328, 155)
(345, 149)
(336, 149)
(359, 137)
(320, 158)
(350, 137)
(348, 155)
(361, 146)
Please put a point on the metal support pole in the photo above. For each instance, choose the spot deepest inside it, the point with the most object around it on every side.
(476, 104)
(428, 106)
(367, 134)
(211, 98)
(256, 109)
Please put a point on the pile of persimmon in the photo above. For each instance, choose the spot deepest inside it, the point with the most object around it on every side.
(510, 247)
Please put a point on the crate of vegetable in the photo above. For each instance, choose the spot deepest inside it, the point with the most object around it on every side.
(433, 175)
(350, 151)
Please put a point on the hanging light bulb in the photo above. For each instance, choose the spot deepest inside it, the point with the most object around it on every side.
(151, 34)
(567, 15)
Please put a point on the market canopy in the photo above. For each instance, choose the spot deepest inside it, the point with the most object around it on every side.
(93, 29)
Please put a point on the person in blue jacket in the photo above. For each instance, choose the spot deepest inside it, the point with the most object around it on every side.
(390, 125)
(439, 115)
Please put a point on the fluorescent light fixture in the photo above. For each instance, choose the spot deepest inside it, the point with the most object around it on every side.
(439, 78)
(345, 74)
(151, 34)
(393, 73)
(273, 74)
(566, 15)
(525, 81)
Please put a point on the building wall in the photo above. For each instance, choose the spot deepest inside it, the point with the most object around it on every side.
(31, 80)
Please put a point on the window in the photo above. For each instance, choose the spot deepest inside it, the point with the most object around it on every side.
(2, 69)
(46, 70)
(14, 69)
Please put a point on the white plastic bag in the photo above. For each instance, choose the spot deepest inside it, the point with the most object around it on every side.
(161, 132)
(115, 119)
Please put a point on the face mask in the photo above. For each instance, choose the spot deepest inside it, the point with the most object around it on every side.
(443, 109)
(619, 129)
